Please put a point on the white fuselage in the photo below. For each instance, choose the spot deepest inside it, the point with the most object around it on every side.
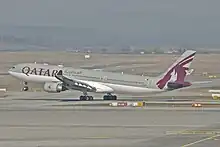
(104, 87)
(105, 82)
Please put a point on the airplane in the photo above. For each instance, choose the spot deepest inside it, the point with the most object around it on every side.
(59, 78)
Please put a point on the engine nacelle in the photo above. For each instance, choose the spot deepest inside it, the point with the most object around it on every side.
(54, 87)
(176, 85)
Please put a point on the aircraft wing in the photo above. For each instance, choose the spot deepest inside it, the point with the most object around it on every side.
(74, 83)
(87, 86)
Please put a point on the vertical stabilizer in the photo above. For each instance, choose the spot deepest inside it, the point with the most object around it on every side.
(177, 71)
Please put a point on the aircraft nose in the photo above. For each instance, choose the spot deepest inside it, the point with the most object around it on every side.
(10, 71)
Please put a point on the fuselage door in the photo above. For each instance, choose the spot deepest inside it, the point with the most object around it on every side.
(147, 82)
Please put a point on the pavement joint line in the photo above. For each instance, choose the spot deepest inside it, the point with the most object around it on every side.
(199, 141)
(93, 125)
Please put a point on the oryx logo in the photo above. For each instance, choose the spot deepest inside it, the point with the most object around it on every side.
(177, 73)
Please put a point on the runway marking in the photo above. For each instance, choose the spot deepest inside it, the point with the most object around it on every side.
(193, 132)
(202, 140)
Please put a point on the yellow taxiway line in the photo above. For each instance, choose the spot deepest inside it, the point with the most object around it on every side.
(199, 141)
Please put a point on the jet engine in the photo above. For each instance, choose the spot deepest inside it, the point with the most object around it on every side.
(54, 87)
(176, 85)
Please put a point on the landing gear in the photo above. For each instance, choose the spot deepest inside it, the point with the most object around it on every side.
(109, 97)
(25, 88)
(85, 97)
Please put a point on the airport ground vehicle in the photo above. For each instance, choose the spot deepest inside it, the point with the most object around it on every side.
(215, 96)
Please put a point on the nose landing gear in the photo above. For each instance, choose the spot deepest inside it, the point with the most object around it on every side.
(25, 88)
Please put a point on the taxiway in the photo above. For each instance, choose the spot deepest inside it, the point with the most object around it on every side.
(44, 123)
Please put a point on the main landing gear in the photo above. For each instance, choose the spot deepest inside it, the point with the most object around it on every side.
(25, 88)
(109, 96)
(85, 97)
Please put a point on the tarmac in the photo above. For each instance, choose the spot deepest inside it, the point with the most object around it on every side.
(39, 119)
(40, 122)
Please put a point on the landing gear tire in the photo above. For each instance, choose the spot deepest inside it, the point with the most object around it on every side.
(90, 98)
(85, 98)
(109, 97)
(25, 88)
